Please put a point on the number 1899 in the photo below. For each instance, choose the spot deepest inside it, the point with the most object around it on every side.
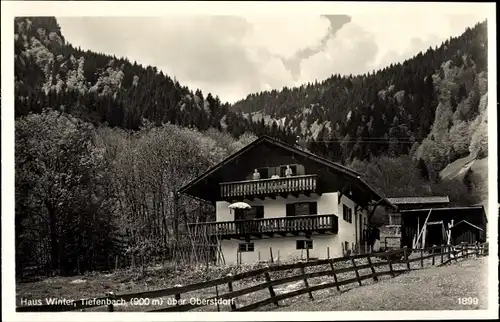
(468, 301)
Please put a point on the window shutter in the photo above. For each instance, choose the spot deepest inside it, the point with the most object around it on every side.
(313, 208)
(290, 210)
(259, 212)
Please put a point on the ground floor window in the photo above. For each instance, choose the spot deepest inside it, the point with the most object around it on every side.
(304, 244)
(246, 247)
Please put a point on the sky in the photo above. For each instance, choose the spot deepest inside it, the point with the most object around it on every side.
(233, 56)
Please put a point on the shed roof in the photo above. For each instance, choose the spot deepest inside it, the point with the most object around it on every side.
(418, 200)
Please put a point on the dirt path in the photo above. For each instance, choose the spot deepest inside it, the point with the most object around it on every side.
(433, 288)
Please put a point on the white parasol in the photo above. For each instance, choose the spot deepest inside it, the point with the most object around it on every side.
(239, 205)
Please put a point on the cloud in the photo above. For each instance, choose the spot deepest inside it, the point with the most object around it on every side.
(293, 63)
(233, 56)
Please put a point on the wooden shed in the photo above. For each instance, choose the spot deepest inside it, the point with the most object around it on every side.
(441, 226)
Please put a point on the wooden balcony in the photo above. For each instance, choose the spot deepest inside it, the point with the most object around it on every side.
(269, 227)
(271, 188)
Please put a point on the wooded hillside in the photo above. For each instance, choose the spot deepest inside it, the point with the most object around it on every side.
(102, 143)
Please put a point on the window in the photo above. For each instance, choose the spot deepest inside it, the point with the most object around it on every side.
(304, 244)
(246, 247)
(347, 214)
(256, 212)
(301, 209)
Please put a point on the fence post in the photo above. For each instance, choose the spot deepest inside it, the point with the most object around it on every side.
(389, 261)
(407, 257)
(327, 252)
(463, 249)
(177, 296)
(356, 271)
(375, 278)
(421, 258)
(230, 289)
(334, 276)
(307, 253)
(270, 287)
(433, 255)
(217, 297)
(303, 270)
(271, 253)
(448, 250)
(111, 297)
(442, 255)
(278, 259)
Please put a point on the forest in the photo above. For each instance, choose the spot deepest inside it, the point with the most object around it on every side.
(102, 143)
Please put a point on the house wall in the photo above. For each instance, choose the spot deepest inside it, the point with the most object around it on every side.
(327, 203)
(283, 249)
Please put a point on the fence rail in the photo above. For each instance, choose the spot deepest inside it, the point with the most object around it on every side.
(439, 255)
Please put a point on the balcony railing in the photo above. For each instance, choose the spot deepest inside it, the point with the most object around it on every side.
(268, 226)
(297, 184)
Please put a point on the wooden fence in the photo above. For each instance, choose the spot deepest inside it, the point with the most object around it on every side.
(438, 255)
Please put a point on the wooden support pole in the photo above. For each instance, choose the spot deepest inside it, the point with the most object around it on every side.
(433, 255)
(110, 296)
(327, 252)
(389, 261)
(271, 254)
(334, 276)
(303, 271)
(442, 254)
(421, 257)
(230, 289)
(375, 278)
(406, 257)
(271, 290)
(217, 297)
(356, 271)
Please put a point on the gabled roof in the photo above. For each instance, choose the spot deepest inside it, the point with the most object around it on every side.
(353, 175)
(466, 222)
(418, 200)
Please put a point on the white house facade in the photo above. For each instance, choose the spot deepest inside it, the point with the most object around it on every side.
(298, 205)
(321, 246)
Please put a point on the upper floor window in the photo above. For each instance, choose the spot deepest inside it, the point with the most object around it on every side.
(301, 209)
(347, 214)
(256, 212)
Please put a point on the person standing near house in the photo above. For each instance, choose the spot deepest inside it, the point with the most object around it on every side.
(256, 175)
(288, 171)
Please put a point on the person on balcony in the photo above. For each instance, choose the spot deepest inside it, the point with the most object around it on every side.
(256, 175)
(288, 171)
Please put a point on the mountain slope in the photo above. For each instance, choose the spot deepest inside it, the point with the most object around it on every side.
(49, 72)
(390, 111)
